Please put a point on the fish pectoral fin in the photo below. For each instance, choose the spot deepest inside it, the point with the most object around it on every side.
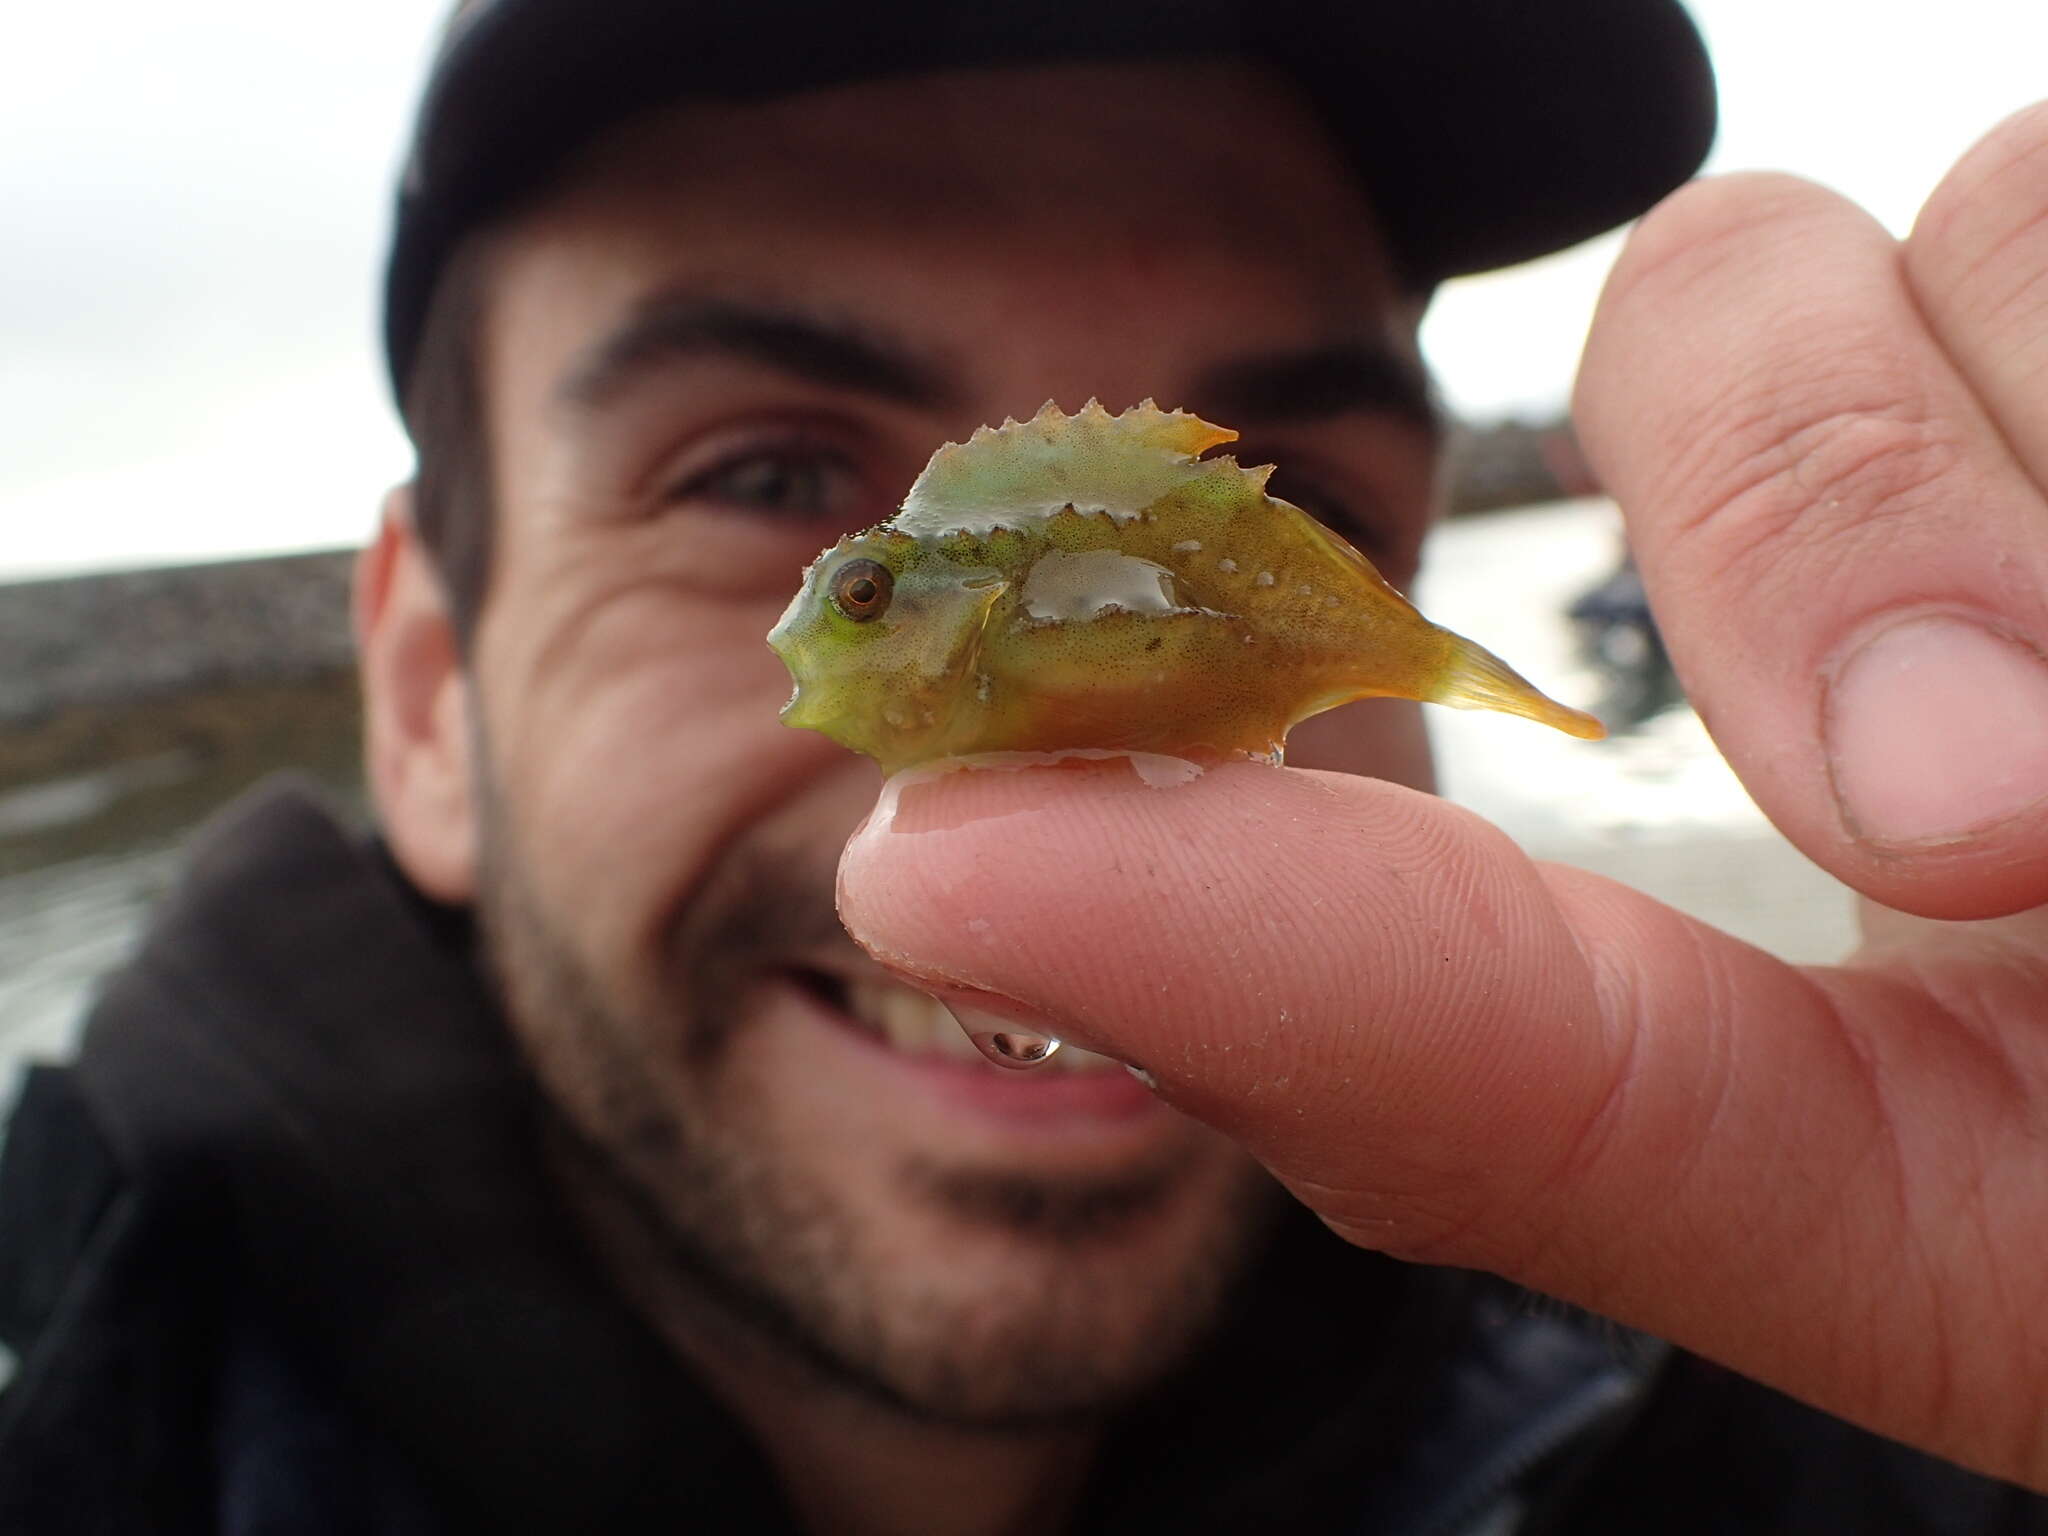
(987, 591)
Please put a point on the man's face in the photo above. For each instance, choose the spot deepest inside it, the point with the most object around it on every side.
(737, 334)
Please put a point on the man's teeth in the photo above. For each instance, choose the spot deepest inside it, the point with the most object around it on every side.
(918, 1025)
(911, 1022)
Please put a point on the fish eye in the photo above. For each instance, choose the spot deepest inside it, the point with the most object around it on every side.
(861, 589)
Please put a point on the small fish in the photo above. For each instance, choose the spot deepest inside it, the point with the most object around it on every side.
(1090, 581)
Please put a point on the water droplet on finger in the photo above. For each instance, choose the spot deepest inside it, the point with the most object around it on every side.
(1003, 1042)
(1018, 1049)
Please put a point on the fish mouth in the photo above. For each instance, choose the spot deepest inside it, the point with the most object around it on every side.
(794, 712)
(912, 1024)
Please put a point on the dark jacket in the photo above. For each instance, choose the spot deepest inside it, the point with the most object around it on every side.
(277, 1255)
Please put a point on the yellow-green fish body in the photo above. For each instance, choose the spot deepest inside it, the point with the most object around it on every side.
(1089, 581)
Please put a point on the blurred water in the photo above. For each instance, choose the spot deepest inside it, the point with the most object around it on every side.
(62, 927)
(87, 846)
(94, 813)
(1656, 807)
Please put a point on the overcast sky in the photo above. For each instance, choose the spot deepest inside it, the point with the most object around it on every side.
(193, 203)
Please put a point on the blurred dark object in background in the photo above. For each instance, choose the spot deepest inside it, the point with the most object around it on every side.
(1617, 635)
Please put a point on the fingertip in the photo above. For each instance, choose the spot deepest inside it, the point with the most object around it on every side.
(1969, 195)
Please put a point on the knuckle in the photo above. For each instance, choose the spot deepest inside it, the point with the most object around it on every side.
(1746, 314)
(1802, 486)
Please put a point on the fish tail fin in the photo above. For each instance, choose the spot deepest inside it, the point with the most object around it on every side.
(1475, 678)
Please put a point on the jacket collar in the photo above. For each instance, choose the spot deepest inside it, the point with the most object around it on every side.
(303, 1042)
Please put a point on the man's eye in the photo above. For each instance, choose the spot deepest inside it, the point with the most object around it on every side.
(803, 485)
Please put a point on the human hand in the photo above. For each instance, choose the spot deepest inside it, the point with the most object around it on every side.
(1833, 453)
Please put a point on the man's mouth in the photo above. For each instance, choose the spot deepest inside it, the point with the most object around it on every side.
(912, 1024)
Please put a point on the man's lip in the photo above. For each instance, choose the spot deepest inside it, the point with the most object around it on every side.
(933, 1051)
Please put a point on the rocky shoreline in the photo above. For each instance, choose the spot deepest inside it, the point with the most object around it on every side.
(153, 693)
(121, 637)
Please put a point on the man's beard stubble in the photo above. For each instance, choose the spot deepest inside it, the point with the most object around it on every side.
(697, 1217)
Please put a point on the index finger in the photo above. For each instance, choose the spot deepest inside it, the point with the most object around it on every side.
(1828, 1180)
(1846, 556)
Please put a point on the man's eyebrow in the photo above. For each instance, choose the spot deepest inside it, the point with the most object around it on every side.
(669, 328)
(1320, 382)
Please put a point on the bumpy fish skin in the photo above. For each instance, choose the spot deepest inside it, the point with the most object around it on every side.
(1089, 581)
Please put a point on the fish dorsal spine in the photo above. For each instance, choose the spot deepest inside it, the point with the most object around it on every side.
(1024, 472)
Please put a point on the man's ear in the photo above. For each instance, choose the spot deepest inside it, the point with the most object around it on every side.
(416, 726)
